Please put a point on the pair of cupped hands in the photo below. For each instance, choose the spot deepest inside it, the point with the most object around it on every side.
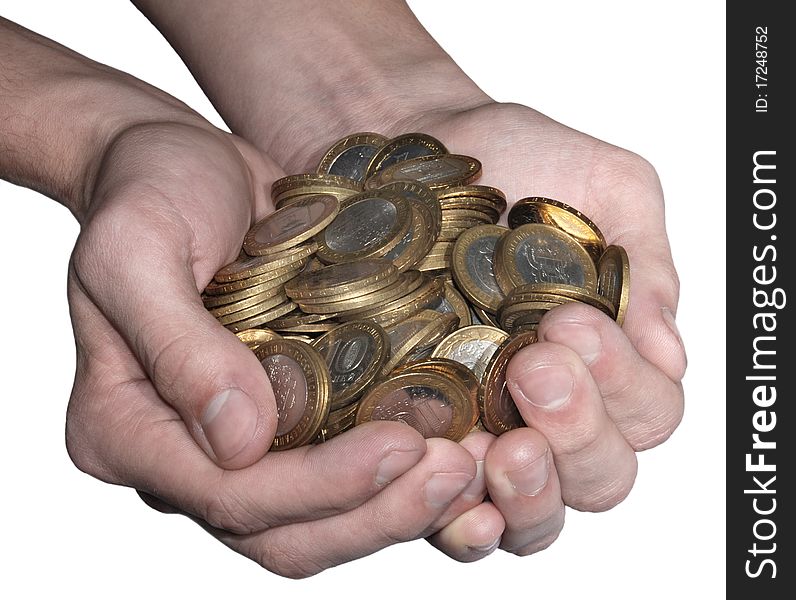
(169, 402)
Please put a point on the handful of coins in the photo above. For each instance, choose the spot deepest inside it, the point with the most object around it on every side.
(389, 292)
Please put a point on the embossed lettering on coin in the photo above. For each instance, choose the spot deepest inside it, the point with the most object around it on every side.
(425, 408)
(361, 225)
(290, 390)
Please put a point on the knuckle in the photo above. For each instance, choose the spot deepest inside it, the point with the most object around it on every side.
(287, 561)
(602, 494)
(230, 512)
(656, 431)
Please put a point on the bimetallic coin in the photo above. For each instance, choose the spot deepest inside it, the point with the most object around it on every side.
(470, 195)
(418, 240)
(263, 301)
(562, 216)
(414, 190)
(337, 422)
(613, 280)
(454, 303)
(350, 156)
(339, 280)
(471, 346)
(256, 337)
(498, 411)
(434, 171)
(472, 265)
(419, 330)
(249, 266)
(352, 305)
(354, 353)
(451, 369)
(267, 280)
(537, 253)
(433, 404)
(289, 226)
(249, 311)
(309, 183)
(404, 147)
(264, 317)
(369, 224)
(300, 382)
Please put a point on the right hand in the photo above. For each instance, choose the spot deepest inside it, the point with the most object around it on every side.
(169, 402)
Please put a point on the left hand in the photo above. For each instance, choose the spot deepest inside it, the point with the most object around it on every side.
(592, 394)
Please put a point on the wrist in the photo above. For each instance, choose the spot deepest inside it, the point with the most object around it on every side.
(60, 111)
(293, 77)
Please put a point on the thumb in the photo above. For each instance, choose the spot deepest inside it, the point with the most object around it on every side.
(197, 366)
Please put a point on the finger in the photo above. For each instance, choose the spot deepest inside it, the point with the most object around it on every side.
(472, 535)
(523, 484)
(120, 431)
(401, 512)
(557, 396)
(631, 183)
(642, 400)
(476, 443)
(168, 233)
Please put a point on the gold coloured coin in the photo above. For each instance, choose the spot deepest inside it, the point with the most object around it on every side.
(265, 299)
(249, 311)
(435, 405)
(289, 226)
(343, 279)
(472, 265)
(350, 156)
(498, 411)
(349, 309)
(268, 280)
(311, 183)
(256, 337)
(295, 196)
(300, 382)
(538, 253)
(418, 240)
(453, 302)
(368, 225)
(414, 190)
(560, 215)
(484, 317)
(451, 369)
(265, 317)
(434, 171)
(354, 353)
(404, 147)
(337, 422)
(407, 335)
(482, 195)
(472, 346)
(249, 266)
(297, 318)
(613, 280)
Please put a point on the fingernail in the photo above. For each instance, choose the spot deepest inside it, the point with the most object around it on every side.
(548, 386)
(395, 464)
(442, 488)
(486, 548)
(476, 488)
(229, 423)
(583, 339)
(530, 479)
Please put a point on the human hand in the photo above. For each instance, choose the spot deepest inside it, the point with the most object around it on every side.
(592, 393)
(376, 69)
(169, 402)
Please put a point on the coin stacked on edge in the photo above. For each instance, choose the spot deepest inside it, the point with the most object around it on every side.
(382, 288)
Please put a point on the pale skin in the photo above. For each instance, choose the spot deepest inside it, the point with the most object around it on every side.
(164, 200)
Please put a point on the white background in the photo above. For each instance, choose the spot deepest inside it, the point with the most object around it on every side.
(646, 76)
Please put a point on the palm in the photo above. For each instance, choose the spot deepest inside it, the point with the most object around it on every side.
(524, 153)
(171, 206)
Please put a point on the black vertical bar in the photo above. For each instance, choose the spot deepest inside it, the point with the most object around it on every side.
(760, 266)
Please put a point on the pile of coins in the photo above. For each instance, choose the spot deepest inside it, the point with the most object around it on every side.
(390, 292)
